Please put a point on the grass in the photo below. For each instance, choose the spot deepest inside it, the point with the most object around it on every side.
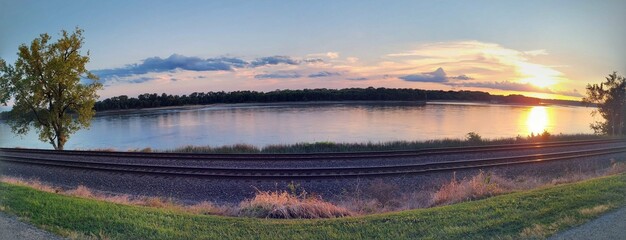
(472, 139)
(531, 214)
(480, 186)
(285, 205)
(381, 197)
(375, 197)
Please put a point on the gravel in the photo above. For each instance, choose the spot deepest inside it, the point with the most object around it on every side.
(609, 226)
(233, 190)
(11, 228)
(315, 162)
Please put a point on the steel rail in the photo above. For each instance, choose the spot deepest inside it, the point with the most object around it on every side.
(326, 172)
(313, 156)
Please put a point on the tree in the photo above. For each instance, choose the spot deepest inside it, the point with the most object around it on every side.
(52, 90)
(610, 97)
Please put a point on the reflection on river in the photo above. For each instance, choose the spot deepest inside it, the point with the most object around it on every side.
(264, 124)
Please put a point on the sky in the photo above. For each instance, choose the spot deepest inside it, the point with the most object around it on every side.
(548, 49)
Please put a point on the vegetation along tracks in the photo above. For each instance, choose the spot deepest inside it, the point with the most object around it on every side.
(312, 156)
(294, 171)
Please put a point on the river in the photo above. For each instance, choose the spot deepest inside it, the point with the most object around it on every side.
(264, 124)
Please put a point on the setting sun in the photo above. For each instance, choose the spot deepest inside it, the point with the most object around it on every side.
(537, 120)
(541, 82)
(538, 75)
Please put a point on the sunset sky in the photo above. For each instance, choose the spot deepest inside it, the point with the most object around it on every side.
(548, 49)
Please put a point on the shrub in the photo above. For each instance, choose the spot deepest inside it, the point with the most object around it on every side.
(473, 137)
(284, 205)
(479, 186)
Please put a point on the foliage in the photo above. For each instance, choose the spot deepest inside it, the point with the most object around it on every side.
(473, 137)
(45, 83)
(349, 94)
(509, 216)
(610, 97)
(285, 205)
(325, 147)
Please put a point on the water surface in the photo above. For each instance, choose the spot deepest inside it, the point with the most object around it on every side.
(264, 124)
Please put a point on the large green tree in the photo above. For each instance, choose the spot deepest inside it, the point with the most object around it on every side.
(52, 90)
(610, 97)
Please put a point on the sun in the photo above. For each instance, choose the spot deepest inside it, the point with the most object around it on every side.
(537, 120)
(541, 82)
(538, 75)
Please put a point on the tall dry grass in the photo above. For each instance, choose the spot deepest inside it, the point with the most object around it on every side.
(472, 139)
(376, 197)
(381, 197)
(281, 204)
(488, 184)
(36, 184)
(479, 186)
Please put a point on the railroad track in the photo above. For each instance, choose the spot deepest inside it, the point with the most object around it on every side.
(43, 158)
(312, 156)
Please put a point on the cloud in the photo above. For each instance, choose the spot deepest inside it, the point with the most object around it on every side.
(438, 76)
(173, 62)
(485, 60)
(130, 73)
(115, 79)
(352, 59)
(273, 60)
(466, 64)
(278, 75)
(324, 74)
(462, 77)
(504, 85)
(536, 52)
(331, 55)
(513, 86)
(572, 93)
(313, 60)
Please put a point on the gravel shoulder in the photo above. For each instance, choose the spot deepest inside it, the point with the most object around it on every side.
(11, 228)
(609, 226)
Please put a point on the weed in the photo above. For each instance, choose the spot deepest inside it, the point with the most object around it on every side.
(479, 186)
(472, 139)
(81, 191)
(281, 204)
(597, 210)
(541, 231)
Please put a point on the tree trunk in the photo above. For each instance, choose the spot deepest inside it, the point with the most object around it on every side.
(60, 140)
(59, 145)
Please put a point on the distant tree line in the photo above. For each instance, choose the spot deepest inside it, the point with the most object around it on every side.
(153, 100)
(349, 94)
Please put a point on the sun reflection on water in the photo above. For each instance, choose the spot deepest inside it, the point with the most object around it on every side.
(537, 120)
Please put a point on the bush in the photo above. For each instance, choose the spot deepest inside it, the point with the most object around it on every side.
(473, 137)
(480, 186)
(285, 205)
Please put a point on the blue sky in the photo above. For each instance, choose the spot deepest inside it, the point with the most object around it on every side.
(538, 48)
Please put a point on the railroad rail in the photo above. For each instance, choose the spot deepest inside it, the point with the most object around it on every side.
(42, 157)
(312, 156)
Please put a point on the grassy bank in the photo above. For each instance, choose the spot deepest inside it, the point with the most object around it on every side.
(472, 139)
(535, 213)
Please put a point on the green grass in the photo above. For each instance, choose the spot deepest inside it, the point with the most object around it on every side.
(544, 211)
(473, 139)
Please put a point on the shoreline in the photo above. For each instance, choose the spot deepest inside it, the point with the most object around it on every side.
(301, 103)
(198, 106)
(342, 147)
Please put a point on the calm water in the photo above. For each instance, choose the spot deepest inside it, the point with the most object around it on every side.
(290, 123)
